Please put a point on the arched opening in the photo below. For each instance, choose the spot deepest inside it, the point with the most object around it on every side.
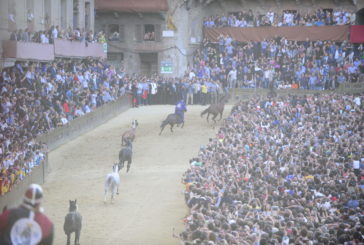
(360, 17)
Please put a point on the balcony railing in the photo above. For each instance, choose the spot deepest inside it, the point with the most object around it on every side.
(28, 50)
(47, 52)
(65, 48)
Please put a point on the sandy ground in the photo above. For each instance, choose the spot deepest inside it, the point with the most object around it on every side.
(151, 200)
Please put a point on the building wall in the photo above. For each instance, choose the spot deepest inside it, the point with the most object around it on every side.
(46, 13)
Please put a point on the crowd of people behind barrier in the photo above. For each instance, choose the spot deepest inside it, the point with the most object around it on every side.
(283, 170)
(54, 32)
(279, 63)
(320, 17)
(36, 98)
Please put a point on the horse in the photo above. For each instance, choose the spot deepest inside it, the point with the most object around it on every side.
(126, 154)
(172, 119)
(215, 109)
(129, 134)
(112, 183)
(73, 223)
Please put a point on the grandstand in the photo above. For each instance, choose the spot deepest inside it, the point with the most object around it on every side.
(284, 168)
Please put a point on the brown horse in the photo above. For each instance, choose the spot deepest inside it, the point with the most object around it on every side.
(130, 134)
(216, 109)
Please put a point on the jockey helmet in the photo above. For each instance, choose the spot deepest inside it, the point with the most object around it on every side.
(33, 195)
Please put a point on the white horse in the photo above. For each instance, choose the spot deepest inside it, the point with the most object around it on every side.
(112, 183)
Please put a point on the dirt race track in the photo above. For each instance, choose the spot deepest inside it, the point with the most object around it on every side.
(151, 200)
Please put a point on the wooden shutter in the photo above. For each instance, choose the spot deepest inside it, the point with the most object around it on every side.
(158, 32)
(122, 33)
(138, 33)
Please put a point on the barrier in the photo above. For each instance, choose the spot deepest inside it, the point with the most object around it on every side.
(14, 197)
(60, 136)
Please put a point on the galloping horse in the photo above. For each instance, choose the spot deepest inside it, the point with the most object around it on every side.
(171, 119)
(130, 134)
(112, 182)
(73, 223)
(215, 109)
(126, 154)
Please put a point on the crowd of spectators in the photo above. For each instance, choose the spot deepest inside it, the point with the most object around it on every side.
(279, 63)
(320, 17)
(54, 32)
(36, 98)
(282, 170)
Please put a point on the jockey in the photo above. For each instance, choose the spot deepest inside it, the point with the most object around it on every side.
(27, 224)
(180, 110)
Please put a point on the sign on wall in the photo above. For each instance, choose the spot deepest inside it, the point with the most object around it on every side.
(166, 67)
(104, 46)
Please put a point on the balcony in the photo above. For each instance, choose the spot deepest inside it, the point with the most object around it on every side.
(77, 49)
(28, 51)
(47, 52)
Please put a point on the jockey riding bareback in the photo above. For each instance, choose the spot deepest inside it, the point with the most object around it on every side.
(180, 110)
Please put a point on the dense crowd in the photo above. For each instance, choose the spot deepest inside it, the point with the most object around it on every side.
(54, 32)
(285, 170)
(320, 17)
(36, 98)
(279, 63)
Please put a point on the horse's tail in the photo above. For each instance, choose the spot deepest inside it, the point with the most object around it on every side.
(205, 111)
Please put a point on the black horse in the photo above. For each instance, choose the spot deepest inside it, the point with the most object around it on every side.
(172, 119)
(215, 109)
(73, 223)
(125, 154)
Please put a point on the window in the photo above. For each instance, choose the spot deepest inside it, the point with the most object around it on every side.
(113, 32)
(149, 32)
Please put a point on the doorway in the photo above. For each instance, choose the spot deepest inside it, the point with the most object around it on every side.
(148, 63)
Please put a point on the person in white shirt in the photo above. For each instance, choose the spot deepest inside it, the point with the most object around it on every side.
(232, 77)
(55, 33)
(43, 38)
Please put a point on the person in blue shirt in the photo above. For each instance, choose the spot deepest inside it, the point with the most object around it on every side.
(180, 111)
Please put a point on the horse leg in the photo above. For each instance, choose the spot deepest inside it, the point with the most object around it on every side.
(68, 238)
(213, 119)
(172, 127)
(77, 237)
(128, 167)
(183, 124)
(105, 196)
(207, 118)
(220, 116)
(161, 130)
